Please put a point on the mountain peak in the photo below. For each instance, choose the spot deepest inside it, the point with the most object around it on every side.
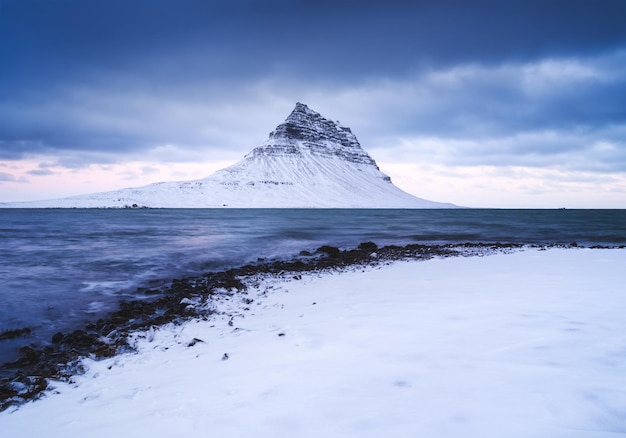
(305, 130)
(302, 115)
(303, 108)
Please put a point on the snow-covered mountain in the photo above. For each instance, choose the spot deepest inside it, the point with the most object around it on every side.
(307, 162)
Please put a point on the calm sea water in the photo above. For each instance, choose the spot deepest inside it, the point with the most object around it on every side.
(62, 268)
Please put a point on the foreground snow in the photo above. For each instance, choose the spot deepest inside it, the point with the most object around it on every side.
(530, 344)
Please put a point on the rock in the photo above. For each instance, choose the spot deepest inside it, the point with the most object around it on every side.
(368, 246)
(30, 356)
(194, 341)
(80, 339)
(332, 251)
(12, 334)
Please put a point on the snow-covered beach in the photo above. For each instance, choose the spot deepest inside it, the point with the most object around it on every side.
(529, 344)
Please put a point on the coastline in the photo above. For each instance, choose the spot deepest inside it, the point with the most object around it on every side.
(27, 378)
(201, 325)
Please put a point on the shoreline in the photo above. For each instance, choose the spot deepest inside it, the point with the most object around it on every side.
(28, 378)
(520, 343)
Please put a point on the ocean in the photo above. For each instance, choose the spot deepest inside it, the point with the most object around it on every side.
(61, 268)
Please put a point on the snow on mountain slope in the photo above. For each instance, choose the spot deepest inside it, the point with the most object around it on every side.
(307, 162)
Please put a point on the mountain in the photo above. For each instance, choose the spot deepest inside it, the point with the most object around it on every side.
(307, 162)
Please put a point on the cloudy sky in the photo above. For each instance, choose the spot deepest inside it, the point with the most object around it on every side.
(484, 103)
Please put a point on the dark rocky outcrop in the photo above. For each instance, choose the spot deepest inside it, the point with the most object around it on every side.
(15, 333)
(317, 134)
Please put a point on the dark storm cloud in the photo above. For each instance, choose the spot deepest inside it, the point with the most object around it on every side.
(311, 37)
(124, 77)
(477, 102)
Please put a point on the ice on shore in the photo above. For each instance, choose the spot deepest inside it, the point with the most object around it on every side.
(531, 344)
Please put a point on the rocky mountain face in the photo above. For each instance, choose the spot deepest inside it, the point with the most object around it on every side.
(308, 161)
(305, 129)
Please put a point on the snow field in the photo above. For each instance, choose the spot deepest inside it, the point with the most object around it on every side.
(530, 344)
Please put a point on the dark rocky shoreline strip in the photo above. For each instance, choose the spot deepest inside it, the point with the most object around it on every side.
(27, 377)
